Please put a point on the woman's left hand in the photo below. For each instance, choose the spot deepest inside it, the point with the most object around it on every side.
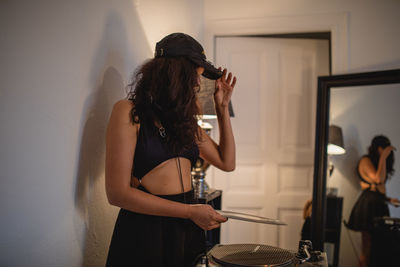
(223, 89)
(395, 202)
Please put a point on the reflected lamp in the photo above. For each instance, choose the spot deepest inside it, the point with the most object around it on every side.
(335, 144)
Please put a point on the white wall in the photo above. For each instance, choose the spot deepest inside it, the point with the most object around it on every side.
(160, 17)
(63, 64)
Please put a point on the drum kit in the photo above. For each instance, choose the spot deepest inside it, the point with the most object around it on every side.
(238, 255)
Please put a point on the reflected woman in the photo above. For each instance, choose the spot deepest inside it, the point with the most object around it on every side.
(374, 169)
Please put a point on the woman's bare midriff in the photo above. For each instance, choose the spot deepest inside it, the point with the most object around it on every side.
(164, 179)
(380, 187)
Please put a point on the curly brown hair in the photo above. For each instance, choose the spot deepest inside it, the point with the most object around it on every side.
(163, 90)
(373, 153)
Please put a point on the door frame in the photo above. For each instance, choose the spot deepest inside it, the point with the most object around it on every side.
(336, 24)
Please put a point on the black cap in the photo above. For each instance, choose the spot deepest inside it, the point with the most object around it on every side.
(180, 44)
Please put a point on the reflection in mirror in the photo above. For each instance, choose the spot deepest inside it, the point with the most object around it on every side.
(335, 147)
(362, 113)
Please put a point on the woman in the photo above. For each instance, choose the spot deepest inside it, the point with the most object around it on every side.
(153, 140)
(374, 169)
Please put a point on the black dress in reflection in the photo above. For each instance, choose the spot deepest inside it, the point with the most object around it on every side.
(370, 205)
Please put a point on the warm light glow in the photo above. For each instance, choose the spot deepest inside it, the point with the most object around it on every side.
(209, 117)
(204, 125)
(335, 150)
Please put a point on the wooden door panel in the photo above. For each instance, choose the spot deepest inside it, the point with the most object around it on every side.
(274, 104)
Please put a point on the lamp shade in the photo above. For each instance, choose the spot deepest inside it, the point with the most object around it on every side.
(206, 99)
(335, 143)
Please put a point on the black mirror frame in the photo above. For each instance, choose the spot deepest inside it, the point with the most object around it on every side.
(325, 83)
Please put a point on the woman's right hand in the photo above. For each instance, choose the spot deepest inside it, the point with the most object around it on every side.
(205, 216)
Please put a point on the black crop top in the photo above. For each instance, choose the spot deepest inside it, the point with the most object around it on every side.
(152, 150)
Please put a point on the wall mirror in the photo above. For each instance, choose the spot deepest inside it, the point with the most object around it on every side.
(362, 105)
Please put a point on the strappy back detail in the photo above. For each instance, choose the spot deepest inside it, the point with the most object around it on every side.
(152, 150)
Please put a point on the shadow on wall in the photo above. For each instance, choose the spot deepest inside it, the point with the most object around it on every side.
(90, 197)
(115, 57)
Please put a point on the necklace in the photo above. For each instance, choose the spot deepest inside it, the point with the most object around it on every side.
(161, 130)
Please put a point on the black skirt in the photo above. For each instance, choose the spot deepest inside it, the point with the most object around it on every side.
(146, 240)
(369, 205)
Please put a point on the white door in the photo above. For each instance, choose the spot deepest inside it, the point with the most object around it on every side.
(274, 104)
